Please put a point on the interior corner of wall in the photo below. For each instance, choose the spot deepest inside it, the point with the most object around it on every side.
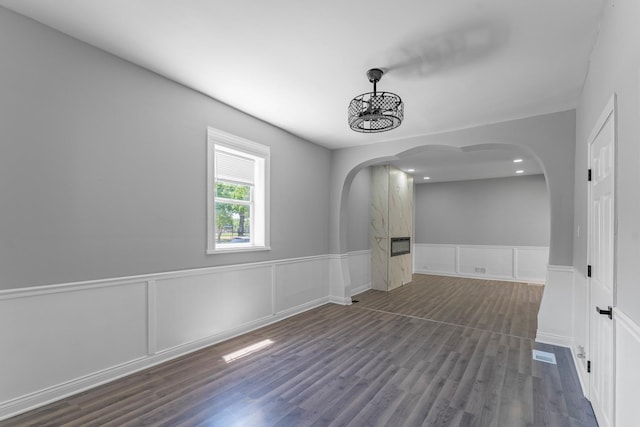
(555, 318)
(339, 279)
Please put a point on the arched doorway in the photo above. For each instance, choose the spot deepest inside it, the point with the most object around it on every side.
(479, 211)
(548, 138)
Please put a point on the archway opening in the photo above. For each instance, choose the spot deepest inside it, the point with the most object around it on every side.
(474, 216)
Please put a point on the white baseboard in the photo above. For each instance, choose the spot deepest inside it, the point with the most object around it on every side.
(360, 289)
(340, 300)
(559, 340)
(112, 332)
(525, 264)
(556, 314)
(483, 277)
(69, 388)
(582, 372)
(627, 376)
(359, 271)
(567, 342)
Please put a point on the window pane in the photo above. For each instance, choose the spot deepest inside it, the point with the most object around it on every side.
(233, 191)
(238, 193)
(232, 223)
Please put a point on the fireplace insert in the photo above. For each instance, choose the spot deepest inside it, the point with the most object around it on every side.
(400, 245)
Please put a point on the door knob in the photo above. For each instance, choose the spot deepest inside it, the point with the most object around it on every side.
(608, 312)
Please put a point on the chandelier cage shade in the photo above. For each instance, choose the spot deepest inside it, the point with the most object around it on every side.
(375, 111)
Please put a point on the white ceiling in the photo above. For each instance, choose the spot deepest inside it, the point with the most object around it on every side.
(297, 64)
(454, 164)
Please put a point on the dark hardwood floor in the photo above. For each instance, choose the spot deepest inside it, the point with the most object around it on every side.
(437, 352)
(504, 307)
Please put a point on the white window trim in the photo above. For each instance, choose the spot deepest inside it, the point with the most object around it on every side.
(219, 138)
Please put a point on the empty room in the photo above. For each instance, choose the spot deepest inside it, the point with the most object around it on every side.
(312, 214)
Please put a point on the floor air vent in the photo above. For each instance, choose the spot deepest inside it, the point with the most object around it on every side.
(543, 356)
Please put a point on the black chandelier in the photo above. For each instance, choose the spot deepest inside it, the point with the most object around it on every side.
(375, 111)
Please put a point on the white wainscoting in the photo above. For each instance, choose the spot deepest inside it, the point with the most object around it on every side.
(580, 328)
(627, 333)
(360, 271)
(555, 317)
(513, 263)
(61, 339)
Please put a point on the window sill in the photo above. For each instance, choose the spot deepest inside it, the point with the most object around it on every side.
(239, 249)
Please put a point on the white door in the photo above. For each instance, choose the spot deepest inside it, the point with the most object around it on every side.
(601, 261)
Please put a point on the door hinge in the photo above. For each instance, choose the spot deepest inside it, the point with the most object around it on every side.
(588, 271)
(588, 366)
(588, 174)
(608, 312)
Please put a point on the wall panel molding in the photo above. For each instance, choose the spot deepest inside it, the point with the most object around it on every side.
(62, 339)
(360, 271)
(152, 332)
(513, 263)
(627, 333)
(555, 318)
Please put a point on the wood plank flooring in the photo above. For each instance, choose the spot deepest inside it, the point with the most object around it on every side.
(505, 307)
(437, 352)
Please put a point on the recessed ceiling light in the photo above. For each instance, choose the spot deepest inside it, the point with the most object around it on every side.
(520, 171)
(517, 160)
(411, 170)
(427, 177)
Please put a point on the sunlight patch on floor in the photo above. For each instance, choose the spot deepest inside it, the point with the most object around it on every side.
(247, 350)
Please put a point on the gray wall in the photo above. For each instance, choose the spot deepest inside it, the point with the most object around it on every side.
(550, 138)
(500, 211)
(102, 167)
(359, 211)
(614, 68)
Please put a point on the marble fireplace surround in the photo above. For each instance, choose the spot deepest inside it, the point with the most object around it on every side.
(391, 217)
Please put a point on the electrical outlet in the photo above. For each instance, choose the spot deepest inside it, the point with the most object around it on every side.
(480, 270)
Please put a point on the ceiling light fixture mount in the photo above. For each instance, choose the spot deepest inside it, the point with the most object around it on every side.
(375, 111)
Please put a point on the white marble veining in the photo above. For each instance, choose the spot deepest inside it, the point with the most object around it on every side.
(391, 216)
(379, 263)
(400, 224)
(400, 203)
(378, 231)
(379, 201)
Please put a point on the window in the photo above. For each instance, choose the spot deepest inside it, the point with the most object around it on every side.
(237, 194)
